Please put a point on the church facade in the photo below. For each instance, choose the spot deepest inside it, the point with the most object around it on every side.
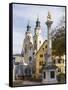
(32, 46)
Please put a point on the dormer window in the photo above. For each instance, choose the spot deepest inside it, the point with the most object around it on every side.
(41, 55)
(33, 53)
(46, 46)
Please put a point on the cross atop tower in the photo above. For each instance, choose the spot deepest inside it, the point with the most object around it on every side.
(28, 26)
(37, 22)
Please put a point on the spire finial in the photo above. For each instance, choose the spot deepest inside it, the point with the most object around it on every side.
(49, 19)
(49, 15)
(28, 26)
(37, 22)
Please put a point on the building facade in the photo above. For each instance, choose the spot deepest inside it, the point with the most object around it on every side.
(37, 38)
(40, 59)
(28, 45)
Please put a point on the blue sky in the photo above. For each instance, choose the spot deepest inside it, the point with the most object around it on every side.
(24, 13)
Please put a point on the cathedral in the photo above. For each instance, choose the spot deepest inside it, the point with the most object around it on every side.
(31, 43)
(31, 48)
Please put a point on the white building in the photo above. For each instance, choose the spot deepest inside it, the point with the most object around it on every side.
(28, 45)
(19, 66)
(32, 44)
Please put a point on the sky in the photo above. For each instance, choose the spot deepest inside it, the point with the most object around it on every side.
(22, 14)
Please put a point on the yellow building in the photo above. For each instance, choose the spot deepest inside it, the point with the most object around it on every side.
(40, 59)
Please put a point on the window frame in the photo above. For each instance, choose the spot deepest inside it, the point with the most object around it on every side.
(41, 55)
(52, 74)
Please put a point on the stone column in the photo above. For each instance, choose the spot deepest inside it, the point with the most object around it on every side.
(49, 42)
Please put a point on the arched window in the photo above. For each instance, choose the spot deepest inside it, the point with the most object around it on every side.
(33, 53)
(35, 41)
(25, 48)
(59, 70)
(40, 42)
(46, 46)
(43, 49)
(35, 46)
(44, 75)
(30, 45)
(41, 55)
(26, 71)
(30, 58)
(59, 60)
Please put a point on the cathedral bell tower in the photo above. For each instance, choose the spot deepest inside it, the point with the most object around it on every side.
(37, 39)
(28, 44)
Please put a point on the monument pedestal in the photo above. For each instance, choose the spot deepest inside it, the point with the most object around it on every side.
(49, 74)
